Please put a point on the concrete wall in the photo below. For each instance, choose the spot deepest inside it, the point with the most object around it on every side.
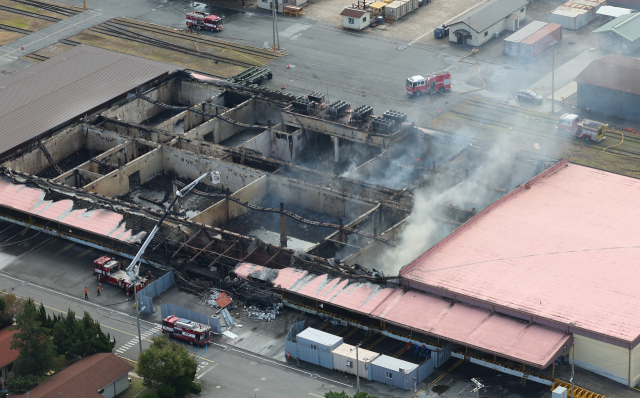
(200, 147)
(116, 183)
(193, 92)
(244, 113)
(635, 366)
(222, 212)
(317, 199)
(138, 110)
(80, 180)
(375, 249)
(602, 358)
(64, 145)
(143, 132)
(278, 144)
(185, 121)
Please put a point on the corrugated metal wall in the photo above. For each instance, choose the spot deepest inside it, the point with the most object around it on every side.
(630, 106)
(399, 380)
(598, 98)
(426, 369)
(290, 346)
(146, 295)
(443, 355)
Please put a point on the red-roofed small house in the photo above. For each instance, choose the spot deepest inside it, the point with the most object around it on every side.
(97, 376)
(7, 355)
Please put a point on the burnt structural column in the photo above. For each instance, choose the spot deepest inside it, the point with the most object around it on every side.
(283, 228)
(336, 148)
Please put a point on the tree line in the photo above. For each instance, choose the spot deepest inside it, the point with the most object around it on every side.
(41, 339)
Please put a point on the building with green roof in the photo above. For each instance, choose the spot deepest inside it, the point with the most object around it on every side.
(621, 34)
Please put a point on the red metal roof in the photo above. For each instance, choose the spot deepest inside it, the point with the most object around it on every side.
(67, 86)
(224, 300)
(564, 250)
(471, 326)
(353, 13)
(7, 355)
(83, 379)
(31, 200)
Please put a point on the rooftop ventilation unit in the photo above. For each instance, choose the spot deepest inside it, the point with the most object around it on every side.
(361, 113)
(395, 115)
(382, 125)
(316, 97)
(304, 106)
(337, 109)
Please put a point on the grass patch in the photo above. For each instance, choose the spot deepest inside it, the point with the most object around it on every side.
(7, 37)
(135, 388)
(53, 50)
(22, 22)
(157, 54)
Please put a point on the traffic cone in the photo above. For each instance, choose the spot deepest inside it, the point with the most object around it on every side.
(283, 87)
(288, 67)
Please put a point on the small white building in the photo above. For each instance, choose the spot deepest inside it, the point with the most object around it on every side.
(344, 359)
(268, 4)
(354, 18)
(486, 21)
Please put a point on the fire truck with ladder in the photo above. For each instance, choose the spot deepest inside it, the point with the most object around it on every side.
(112, 271)
(186, 330)
(590, 130)
(199, 20)
(438, 81)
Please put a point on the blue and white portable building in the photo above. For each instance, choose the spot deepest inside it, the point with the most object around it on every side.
(394, 372)
(312, 345)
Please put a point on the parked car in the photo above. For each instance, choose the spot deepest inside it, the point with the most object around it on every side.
(528, 95)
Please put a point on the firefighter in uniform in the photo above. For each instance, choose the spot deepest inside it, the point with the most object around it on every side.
(86, 295)
(98, 290)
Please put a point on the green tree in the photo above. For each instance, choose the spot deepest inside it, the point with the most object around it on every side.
(67, 335)
(6, 319)
(333, 394)
(164, 362)
(95, 340)
(45, 320)
(37, 352)
(363, 394)
(20, 385)
(13, 305)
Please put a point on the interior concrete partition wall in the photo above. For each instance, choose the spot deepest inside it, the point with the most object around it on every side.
(116, 183)
(276, 143)
(317, 199)
(64, 145)
(199, 147)
(94, 168)
(187, 120)
(374, 250)
(224, 211)
(137, 110)
(191, 92)
(134, 130)
(78, 178)
(191, 166)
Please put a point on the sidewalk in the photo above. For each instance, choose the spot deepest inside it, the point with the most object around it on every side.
(50, 35)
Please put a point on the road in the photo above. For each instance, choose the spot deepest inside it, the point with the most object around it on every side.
(225, 371)
(362, 69)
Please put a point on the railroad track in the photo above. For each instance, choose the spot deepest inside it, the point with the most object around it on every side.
(58, 9)
(500, 110)
(29, 14)
(14, 29)
(599, 146)
(110, 29)
(37, 57)
(69, 42)
(200, 38)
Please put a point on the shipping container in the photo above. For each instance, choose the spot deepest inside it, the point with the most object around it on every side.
(394, 10)
(344, 359)
(511, 44)
(394, 372)
(540, 41)
(314, 346)
(405, 5)
(570, 17)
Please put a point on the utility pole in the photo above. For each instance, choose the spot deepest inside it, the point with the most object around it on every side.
(273, 23)
(357, 368)
(553, 75)
(276, 19)
(573, 362)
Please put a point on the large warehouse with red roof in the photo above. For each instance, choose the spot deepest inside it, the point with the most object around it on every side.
(545, 270)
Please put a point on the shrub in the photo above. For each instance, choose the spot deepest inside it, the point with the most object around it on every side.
(196, 388)
(165, 391)
(150, 395)
(22, 384)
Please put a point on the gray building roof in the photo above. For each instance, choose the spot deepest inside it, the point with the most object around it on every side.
(615, 72)
(320, 337)
(627, 26)
(67, 86)
(488, 14)
(394, 364)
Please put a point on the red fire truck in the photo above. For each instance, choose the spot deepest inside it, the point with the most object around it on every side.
(186, 330)
(590, 130)
(112, 271)
(199, 20)
(430, 83)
